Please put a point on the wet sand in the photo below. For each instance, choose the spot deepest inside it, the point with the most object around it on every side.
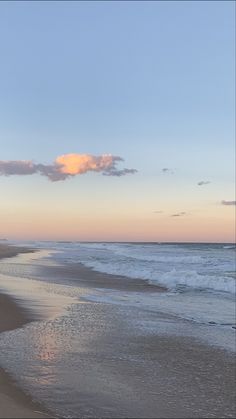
(128, 373)
(90, 278)
(7, 251)
(14, 403)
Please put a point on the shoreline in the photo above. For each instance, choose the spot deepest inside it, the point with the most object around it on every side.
(13, 401)
(126, 368)
(8, 251)
(90, 278)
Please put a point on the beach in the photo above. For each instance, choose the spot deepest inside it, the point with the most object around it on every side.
(117, 215)
(13, 401)
(98, 358)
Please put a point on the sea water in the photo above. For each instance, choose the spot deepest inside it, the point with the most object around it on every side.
(44, 356)
(200, 266)
(199, 278)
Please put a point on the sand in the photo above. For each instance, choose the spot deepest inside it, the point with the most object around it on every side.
(90, 278)
(13, 402)
(7, 251)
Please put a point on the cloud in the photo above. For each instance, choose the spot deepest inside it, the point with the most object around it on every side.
(65, 166)
(167, 170)
(14, 167)
(179, 214)
(203, 182)
(118, 173)
(158, 212)
(228, 202)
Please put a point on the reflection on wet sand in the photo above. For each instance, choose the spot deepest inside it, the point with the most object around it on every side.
(48, 349)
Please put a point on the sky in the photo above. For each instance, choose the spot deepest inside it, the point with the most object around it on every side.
(117, 120)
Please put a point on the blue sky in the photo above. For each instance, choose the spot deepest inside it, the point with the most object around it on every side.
(152, 82)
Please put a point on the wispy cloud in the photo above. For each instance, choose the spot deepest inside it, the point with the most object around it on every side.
(179, 214)
(228, 202)
(15, 167)
(119, 173)
(167, 170)
(65, 166)
(203, 182)
(158, 212)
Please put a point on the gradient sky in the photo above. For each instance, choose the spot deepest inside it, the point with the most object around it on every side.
(152, 82)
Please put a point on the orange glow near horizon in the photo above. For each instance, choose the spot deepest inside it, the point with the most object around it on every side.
(56, 226)
(102, 209)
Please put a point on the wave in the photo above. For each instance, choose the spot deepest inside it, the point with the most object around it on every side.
(204, 268)
(171, 279)
(195, 280)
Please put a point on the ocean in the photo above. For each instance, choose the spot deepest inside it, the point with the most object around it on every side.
(209, 267)
(73, 323)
